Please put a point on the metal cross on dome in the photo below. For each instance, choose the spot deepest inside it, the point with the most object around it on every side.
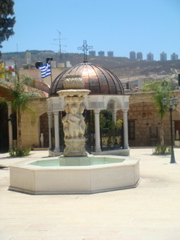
(85, 48)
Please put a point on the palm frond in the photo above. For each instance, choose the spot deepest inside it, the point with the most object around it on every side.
(160, 90)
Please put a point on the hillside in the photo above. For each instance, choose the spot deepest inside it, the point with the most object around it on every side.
(125, 69)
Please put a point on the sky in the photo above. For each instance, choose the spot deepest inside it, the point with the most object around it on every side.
(120, 26)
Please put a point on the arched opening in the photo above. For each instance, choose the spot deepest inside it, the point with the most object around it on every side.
(13, 120)
(111, 131)
(4, 138)
(90, 130)
(110, 105)
(44, 133)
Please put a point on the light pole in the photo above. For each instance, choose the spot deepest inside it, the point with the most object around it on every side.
(171, 104)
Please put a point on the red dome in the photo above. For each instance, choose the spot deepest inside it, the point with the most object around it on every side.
(96, 78)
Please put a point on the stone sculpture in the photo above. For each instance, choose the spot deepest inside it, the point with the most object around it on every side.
(73, 122)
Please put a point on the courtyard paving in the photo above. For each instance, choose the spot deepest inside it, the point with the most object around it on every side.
(149, 212)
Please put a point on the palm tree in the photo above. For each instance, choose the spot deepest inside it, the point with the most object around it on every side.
(160, 89)
(21, 93)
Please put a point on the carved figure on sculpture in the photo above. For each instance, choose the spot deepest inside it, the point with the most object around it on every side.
(73, 122)
(82, 124)
(65, 122)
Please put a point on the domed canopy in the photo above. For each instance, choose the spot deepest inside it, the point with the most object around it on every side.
(97, 79)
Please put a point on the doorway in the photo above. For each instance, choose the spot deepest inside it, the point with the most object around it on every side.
(44, 130)
(4, 137)
(177, 130)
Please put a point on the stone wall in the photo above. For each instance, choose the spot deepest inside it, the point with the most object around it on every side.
(36, 74)
(143, 112)
(31, 123)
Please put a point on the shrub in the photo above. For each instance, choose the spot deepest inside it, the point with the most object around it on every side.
(15, 152)
(162, 149)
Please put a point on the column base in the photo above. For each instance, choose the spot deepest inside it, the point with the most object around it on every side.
(57, 150)
(98, 150)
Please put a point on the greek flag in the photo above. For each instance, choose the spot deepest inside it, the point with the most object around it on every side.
(45, 70)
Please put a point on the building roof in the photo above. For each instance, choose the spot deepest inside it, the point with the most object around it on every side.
(97, 79)
(6, 93)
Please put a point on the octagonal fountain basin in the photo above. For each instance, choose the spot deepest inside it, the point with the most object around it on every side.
(69, 175)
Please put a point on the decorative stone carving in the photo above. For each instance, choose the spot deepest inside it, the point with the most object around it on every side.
(73, 122)
(73, 82)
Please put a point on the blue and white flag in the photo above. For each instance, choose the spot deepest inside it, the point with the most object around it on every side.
(45, 70)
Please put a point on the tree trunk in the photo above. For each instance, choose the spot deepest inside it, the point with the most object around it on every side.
(19, 135)
(162, 133)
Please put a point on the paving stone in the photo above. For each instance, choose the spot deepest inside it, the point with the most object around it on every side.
(149, 212)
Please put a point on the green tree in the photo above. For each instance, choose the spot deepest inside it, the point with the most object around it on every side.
(21, 94)
(160, 89)
(7, 20)
(105, 119)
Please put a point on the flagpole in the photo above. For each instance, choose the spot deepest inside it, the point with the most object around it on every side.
(51, 71)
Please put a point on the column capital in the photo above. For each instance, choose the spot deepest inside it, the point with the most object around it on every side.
(97, 111)
(55, 112)
(125, 110)
(9, 103)
(49, 113)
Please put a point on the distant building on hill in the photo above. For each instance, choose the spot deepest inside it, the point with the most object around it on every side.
(163, 56)
(132, 55)
(92, 53)
(150, 57)
(28, 57)
(101, 54)
(174, 56)
(139, 56)
(110, 54)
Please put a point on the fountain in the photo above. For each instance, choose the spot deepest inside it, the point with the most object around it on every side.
(76, 171)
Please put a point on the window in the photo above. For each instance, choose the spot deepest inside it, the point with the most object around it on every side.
(131, 129)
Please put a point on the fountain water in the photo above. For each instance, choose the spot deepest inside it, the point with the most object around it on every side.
(76, 171)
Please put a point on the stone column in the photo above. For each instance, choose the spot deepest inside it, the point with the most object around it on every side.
(10, 127)
(56, 129)
(114, 115)
(50, 127)
(97, 131)
(125, 128)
